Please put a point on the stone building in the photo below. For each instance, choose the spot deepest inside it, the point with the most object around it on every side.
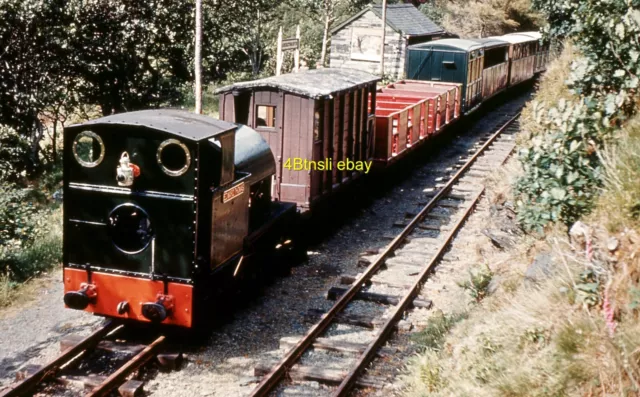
(355, 43)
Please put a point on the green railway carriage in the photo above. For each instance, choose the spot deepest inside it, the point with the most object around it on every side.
(450, 60)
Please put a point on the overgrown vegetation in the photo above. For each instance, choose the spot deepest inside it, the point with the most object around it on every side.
(562, 162)
(574, 333)
(30, 237)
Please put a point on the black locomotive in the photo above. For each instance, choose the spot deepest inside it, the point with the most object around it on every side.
(161, 208)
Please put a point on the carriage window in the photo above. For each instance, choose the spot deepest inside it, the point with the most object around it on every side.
(450, 65)
(88, 149)
(173, 157)
(266, 116)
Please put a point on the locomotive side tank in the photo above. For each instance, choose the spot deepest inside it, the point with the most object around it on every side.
(158, 204)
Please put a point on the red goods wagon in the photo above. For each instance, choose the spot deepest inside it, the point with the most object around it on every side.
(408, 112)
(437, 111)
(453, 93)
(313, 121)
(426, 117)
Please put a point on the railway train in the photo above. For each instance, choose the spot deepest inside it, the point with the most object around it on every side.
(164, 208)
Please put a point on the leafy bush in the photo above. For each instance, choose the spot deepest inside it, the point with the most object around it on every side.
(483, 18)
(562, 168)
(434, 10)
(30, 236)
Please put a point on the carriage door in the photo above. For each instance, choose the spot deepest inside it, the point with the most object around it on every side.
(266, 118)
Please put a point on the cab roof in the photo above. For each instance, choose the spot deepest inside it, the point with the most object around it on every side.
(187, 125)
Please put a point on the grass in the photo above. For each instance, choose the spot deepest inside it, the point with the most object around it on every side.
(434, 334)
(549, 90)
(478, 283)
(621, 164)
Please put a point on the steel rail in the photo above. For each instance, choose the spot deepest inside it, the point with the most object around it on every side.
(51, 368)
(115, 379)
(274, 376)
(365, 358)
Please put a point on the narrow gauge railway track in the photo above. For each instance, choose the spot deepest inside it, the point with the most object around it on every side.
(73, 353)
(413, 254)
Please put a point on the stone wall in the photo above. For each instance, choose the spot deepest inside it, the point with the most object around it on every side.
(394, 50)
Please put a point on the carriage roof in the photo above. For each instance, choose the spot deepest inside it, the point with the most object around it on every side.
(492, 42)
(448, 44)
(314, 83)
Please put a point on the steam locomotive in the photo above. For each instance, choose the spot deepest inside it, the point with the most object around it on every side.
(158, 205)
(164, 208)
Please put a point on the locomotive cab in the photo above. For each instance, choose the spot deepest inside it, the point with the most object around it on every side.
(157, 203)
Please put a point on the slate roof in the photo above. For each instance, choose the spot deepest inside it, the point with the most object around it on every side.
(314, 83)
(459, 44)
(195, 127)
(403, 18)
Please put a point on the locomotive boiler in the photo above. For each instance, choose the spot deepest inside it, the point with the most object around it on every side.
(162, 208)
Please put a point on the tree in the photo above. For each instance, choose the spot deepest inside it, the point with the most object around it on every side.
(198, 57)
(33, 61)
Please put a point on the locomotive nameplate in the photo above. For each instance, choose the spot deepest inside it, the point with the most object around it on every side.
(232, 193)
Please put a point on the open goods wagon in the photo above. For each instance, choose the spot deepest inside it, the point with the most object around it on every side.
(407, 112)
